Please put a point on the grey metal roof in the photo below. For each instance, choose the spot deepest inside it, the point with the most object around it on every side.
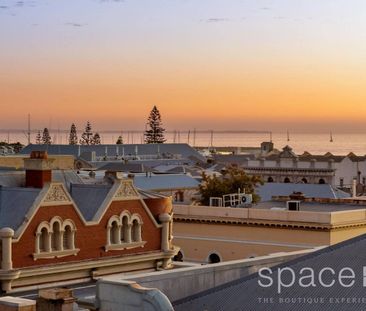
(67, 177)
(165, 182)
(172, 168)
(123, 167)
(89, 198)
(184, 150)
(268, 190)
(14, 204)
(12, 178)
(150, 194)
(7, 168)
(244, 293)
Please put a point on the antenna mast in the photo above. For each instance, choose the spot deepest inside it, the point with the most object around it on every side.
(29, 130)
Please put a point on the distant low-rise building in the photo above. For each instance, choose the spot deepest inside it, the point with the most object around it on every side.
(213, 234)
(182, 188)
(147, 154)
(323, 191)
(288, 167)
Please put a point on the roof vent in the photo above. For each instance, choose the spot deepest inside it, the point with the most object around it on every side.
(296, 195)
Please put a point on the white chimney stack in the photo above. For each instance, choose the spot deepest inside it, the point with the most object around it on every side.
(354, 187)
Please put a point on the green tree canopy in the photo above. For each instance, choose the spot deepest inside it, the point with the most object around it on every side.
(232, 179)
(96, 139)
(155, 133)
(38, 138)
(119, 140)
(87, 136)
(46, 138)
(73, 138)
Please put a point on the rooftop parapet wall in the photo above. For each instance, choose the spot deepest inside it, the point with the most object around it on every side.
(349, 201)
(193, 280)
(243, 214)
(60, 162)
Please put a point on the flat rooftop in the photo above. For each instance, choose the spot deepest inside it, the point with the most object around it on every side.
(313, 214)
(312, 206)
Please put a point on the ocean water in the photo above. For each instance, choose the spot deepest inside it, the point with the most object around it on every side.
(318, 143)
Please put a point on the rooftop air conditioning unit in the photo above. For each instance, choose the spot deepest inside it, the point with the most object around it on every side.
(293, 205)
(245, 199)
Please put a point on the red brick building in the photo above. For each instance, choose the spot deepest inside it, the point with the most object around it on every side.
(52, 233)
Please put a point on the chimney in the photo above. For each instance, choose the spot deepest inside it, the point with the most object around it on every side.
(38, 169)
(354, 188)
(55, 299)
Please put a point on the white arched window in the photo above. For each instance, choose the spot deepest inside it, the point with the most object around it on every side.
(67, 240)
(43, 240)
(55, 239)
(136, 228)
(124, 232)
(115, 233)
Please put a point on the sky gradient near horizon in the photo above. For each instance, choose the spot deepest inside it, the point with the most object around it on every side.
(222, 64)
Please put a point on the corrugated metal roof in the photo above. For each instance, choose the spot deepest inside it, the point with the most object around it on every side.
(150, 194)
(123, 167)
(12, 178)
(165, 181)
(268, 190)
(184, 150)
(14, 204)
(244, 293)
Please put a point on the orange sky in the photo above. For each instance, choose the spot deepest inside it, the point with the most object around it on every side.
(254, 72)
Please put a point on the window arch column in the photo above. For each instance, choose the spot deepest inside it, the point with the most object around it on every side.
(136, 231)
(47, 242)
(127, 233)
(36, 246)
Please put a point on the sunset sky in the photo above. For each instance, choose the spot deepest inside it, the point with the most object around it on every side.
(223, 64)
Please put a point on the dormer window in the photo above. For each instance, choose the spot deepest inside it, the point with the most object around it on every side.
(124, 232)
(55, 239)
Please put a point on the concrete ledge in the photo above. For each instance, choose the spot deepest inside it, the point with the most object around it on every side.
(309, 217)
(193, 280)
(31, 277)
(8, 303)
(129, 296)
